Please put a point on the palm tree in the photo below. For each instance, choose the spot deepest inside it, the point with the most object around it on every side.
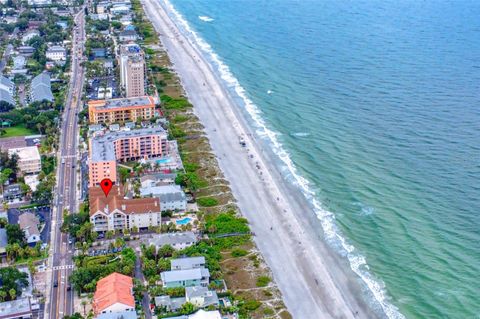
(84, 304)
(12, 293)
(33, 270)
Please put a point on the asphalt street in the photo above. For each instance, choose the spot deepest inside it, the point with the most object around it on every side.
(59, 296)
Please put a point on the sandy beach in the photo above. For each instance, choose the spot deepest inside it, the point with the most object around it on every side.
(314, 280)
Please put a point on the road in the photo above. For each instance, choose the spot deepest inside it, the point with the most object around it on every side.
(60, 299)
(146, 297)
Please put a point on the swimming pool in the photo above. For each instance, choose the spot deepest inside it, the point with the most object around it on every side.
(163, 161)
(183, 221)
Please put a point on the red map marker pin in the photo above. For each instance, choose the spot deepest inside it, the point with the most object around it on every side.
(106, 185)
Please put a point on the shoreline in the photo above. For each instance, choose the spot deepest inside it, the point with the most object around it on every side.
(314, 280)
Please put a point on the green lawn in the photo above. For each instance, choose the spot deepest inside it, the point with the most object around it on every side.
(18, 130)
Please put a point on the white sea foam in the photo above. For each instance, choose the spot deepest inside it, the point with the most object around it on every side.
(332, 234)
(300, 134)
(206, 18)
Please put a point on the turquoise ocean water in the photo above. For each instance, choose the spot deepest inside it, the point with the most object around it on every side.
(377, 104)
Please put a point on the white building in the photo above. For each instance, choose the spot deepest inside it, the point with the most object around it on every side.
(30, 34)
(29, 161)
(29, 224)
(178, 241)
(7, 90)
(201, 296)
(187, 263)
(56, 53)
(38, 3)
(18, 308)
(172, 197)
(40, 88)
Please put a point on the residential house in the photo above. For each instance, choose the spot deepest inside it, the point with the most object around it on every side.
(172, 197)
(186, 272)
(16, 309)
(7, 90)
(200, 314)
(114, 212)
(114, 294)
(128, 35)
(201, 296)
(56, 53)
(119, 9)
(19, 62)
(169, 304)
(30, 34)
(100, 16)
(185, 278)
(126, 19)
(29, 160)
(157, 179)
(102, 7)
(177, 241)
(39, 3)
(99, 53)
(29, 224)
(40, 88)
(118, 315)
(187, 263)
(26, 50)
(62, 24)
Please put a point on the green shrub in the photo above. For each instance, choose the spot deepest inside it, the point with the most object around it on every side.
(207, 201)
(263, 281)
(179, 118)
(251, 305)
(239, 252)
(268, 312)
(174, 104)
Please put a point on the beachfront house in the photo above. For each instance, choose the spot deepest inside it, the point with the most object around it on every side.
(185, 278)
(178, 241)
(187, 263)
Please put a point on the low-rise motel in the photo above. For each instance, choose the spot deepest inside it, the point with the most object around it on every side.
(121, 110)
(125, 145)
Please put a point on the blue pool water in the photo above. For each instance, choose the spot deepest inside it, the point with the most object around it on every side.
(163, 161)
(183, 221)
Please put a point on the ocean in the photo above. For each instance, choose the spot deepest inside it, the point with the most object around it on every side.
(373, 108)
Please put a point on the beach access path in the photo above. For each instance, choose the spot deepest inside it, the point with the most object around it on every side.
(315, 282)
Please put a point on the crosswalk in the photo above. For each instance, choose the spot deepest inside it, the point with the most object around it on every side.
(63, 267)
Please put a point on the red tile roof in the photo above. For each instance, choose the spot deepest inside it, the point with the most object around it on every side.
(116, 200)
(115, 288)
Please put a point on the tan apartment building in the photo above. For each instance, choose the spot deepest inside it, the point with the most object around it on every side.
(121, 110)
(115, 212)
(132, 70)
(123, 146)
